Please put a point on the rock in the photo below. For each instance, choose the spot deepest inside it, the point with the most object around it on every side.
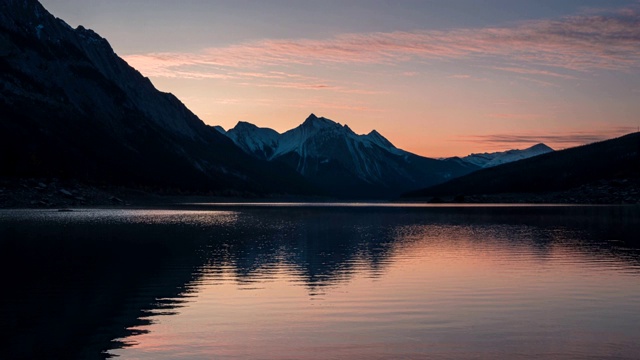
(115, 199)
(65, 193)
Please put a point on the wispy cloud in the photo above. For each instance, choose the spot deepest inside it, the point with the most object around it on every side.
(591, 41)
(311, 85)
(558, 140)
(311, 103)
(514, 116)
(537, 81)
(467, 77)
(531, 71)
(460, 76)
(315, 104)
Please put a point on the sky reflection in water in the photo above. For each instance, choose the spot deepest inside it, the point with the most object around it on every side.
(366, 282)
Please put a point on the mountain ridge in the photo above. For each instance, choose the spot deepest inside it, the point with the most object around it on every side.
(557, 171)
(73, 109)
(485, 160)
(335, 158)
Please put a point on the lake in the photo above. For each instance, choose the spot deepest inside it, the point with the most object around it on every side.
(322, 281)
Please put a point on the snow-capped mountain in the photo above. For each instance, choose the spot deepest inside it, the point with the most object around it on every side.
(342, 162)
(259, 142)
(486, 160)
(268, 144)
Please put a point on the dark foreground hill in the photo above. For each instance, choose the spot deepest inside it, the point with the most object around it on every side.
(585, 173)
(70, 108)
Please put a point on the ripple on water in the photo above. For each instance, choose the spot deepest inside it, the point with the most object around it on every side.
(372, 283)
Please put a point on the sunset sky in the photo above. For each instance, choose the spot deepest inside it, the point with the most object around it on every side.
(438, 78)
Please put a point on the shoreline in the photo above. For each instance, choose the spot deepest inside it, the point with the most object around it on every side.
(39, 193)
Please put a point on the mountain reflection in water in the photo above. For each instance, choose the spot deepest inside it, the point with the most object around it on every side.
(324, 281)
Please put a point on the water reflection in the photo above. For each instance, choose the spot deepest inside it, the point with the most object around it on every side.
(316, 282)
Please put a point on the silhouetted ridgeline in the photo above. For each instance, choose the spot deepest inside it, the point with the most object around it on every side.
(596, 172)
(72, 109)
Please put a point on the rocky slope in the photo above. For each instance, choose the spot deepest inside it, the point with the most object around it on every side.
(71, 108)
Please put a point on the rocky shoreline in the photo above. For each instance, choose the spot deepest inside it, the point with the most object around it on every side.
(63, 194)
(56, 193)
(42, 193)
(616, 191)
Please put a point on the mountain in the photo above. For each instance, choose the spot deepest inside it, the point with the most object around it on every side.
(259, 142)
(616, 159)
(343, 163)
(486, 160)
(71, 108)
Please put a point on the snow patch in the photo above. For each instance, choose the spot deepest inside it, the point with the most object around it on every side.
(39, 30)
(486, 160)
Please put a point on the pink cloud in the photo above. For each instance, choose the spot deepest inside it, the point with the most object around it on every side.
(516, 116)
(605, 40)
(538, 81)
(311, 85)
(332, 105)
(530, 71)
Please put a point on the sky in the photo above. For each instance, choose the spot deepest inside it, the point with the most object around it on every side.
(437, 78)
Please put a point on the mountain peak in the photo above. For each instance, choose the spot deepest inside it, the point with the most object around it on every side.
(319, 122)
(244, 125)
(541, 147)
(348, 129)
(376, 138)
(248, 129)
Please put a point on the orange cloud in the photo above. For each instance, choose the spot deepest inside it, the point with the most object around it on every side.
(557, 141)
(516, 116)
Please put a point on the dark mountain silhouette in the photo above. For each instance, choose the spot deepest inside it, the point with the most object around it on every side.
(555, 171)
(343, 163)
(71, 108)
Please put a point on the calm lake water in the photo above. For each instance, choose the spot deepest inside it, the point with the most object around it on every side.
(322, 281)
